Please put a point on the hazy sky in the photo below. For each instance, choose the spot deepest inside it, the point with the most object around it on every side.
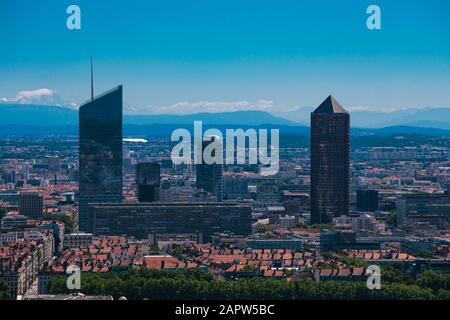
(216, 55)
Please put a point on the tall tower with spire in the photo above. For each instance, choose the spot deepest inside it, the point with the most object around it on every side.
(100, 152)
(92, 80)
(330, 161)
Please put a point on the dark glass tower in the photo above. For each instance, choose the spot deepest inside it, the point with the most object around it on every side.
(366, 200)
(210, 176)
(31, 204)
(148, 181)
(330, 161)
(100, 139)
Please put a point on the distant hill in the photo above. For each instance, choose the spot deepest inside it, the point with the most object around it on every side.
(430, 124)
(238, 118)
(32, 115)
(17, 119)
(427, 117)
(401, 130)
(28, 114)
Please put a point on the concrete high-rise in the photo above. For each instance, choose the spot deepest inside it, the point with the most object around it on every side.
(330, 161)
(100, 154)
(148, 181)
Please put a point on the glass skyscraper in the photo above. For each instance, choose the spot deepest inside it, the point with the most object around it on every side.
(210, 176)
(100, 154)
(148, 181)
(330, 161)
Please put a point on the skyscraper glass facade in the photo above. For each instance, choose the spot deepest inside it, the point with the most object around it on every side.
(100, 154)
(210, 176)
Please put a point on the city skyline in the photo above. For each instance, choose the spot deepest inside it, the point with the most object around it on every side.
(196, 151)
(226, 57)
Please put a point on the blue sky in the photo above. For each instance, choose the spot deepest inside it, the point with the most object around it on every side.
(185, 56)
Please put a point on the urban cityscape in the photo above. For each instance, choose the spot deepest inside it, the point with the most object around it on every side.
(95, 206)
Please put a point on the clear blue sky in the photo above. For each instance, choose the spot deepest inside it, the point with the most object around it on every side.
(210, 54)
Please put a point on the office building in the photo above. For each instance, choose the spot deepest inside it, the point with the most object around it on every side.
(77, 240)
(295, 202)
(142, 219)
(366, 200)
(284, 243)
(210, 176)
(331, 240)
(13, 221)
(330, 161)
(434, 220)
(148, 181)
(423, 204)
(31, 205)
(54, 165)
(100, 155)
(360, 222)
(184, 194)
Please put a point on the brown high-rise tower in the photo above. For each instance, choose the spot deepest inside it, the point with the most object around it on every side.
(330, 161)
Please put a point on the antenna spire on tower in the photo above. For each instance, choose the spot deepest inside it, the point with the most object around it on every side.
(92, 81)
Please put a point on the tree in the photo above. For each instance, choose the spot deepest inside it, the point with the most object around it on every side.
(327, 255)
(64, 218)
(302, 225)
(391, 218)
(177, 251)
(395, 274)
(2, 212)
(154, 249)
(434, 280)
(261, 228)
(422, 253)
(443, 294)
(321, 226)
(353, 261)
(4, 289)
(198, 284)
(249, 268)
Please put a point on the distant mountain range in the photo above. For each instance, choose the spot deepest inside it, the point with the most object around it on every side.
(29, 118)
(44, 115)
(36, 115)
(237, 118)
(427, 117)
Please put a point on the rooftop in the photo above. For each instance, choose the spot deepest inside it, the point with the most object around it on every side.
(330, 105)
